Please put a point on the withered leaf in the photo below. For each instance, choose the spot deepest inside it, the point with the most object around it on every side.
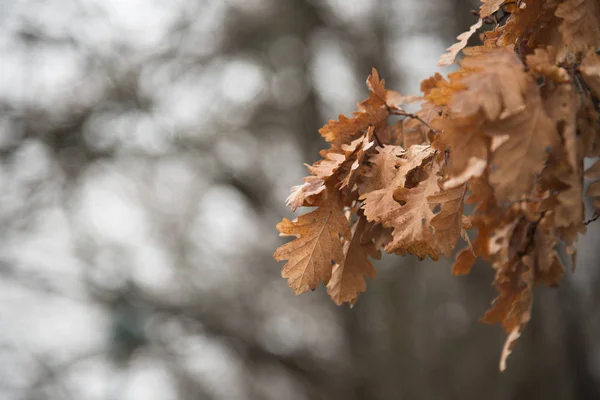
(384, 205)
(489, 7)
(317, 246)
(347, 280)
(468, 145)
(522, 155)
(593, 190)
(448, 223)
(449, 57)
(464, 262)
(580, 28)
(371, 112)
(590, 71)
(483, 91)
(383, 171)
(302, 195)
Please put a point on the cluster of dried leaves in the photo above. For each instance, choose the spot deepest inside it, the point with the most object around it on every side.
(506, 133)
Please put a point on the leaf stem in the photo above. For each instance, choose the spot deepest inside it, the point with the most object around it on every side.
(397, 111)
(589, 221)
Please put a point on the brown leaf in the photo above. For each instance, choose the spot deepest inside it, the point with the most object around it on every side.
(326, 167)
(371, 112)
(514, 282)
(548, 266)
(588, 127)
(317, 246)
(394, 99)
(414, 131)
(590, 71)
(341, 165)
(412, 220)
(347, 280)
(489, 7)
(519, 311)
(543, 63)
(465, 260)
(303, 194)
(468, 147)
(526, 137)
(509, 344)
(593, 191)
(563, 172)
(356, 153)
(376, 85)
(497, 86)
(531, 24)
(448, 223)
(449, 57)
(580, 28)
(430, 83)
(383, 205)
(382, 172)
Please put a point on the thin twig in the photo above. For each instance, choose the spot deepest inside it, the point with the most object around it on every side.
(377, 138)
(397, 111)
(589, 221)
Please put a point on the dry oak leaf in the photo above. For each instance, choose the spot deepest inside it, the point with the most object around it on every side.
(543, 63)
(322, 170)
(590, 71)
(394, 99)
(549, 268)
(334, 159)
(497, 85)
(414, 131)
(391, 98)
(580, 28)
(512, 307)
(588, 127)
(371, 112)
(441, 93)
(464, 262)
(489, 7)
(317, 246)
(567, 207)
(514, 303)
(325, 169)
(449, 57)
(427, 85)
(525, 138)
(383, 171)
(390, 166)
(303, 195)
(561, 102)
(448, 223)
(593, 190)
(468, 147)
(347, 280)
(562, 174)
(412, 220)
(379, 204)
(357, 149)
(529, 23)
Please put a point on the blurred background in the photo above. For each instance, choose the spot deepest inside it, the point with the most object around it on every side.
(146, 149)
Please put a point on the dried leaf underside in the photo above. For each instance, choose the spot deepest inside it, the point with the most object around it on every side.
(507, 133)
